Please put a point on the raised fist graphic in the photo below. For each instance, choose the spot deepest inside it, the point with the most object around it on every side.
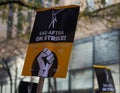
(45, 63)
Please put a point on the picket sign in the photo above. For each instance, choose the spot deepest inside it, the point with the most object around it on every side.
(51, 43)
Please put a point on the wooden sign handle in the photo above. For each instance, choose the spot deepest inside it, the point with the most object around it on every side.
(40, 85)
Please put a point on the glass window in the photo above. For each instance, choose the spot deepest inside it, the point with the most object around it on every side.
(115, 68)
(62, 84)
(81, 55)
(107, 48)
(82, 81)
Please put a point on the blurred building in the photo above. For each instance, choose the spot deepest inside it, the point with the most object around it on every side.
(96, 42)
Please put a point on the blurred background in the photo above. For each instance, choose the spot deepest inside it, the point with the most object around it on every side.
(97, 41)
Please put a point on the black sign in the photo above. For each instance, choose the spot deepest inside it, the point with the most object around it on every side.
(27, 87)
(105, 80)
(55, 25)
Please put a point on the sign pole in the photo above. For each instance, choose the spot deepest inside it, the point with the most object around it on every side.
(40, 85)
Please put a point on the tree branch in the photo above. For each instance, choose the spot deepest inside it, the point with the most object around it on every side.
(19, 3)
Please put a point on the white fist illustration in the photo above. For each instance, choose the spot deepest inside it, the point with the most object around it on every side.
(45, 61)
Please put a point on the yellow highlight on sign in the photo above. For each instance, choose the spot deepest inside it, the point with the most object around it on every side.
(62, 52)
